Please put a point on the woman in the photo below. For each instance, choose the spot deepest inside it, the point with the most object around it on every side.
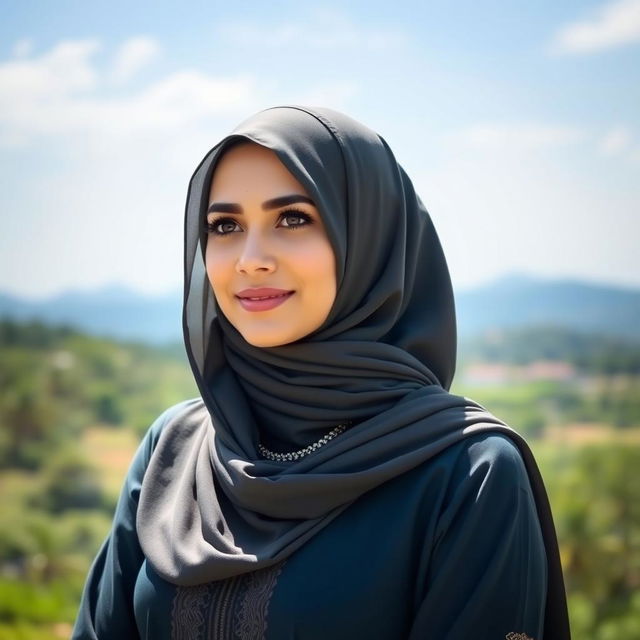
(326, 484)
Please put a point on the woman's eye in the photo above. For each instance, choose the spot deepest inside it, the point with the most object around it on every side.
(222, 227)
(295, 219)
(287, 220)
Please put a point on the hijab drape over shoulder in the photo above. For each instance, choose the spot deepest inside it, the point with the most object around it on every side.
(210, 506)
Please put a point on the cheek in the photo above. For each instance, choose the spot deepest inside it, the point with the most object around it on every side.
(217, 266)
(318, 262)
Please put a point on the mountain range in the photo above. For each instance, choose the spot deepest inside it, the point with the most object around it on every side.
(512, 301)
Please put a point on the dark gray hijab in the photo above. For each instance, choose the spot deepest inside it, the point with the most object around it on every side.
(210, 507)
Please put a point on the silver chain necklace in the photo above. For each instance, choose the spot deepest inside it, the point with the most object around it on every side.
(296, 455)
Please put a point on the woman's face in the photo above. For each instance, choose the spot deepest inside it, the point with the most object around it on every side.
(268, 257)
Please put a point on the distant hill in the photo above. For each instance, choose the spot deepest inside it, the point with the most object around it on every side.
(113, 311)
(514, 301)
(518, 301)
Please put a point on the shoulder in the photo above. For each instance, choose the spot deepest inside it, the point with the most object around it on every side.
(483, 473)
(487, 462)
(493, 452)
(178, 412)
(169, 421)
(485, 468)
(478, 455)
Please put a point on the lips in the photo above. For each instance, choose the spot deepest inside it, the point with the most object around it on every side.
(262, 299)
(263, 292)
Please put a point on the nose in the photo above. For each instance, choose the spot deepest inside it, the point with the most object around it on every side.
(255, 256)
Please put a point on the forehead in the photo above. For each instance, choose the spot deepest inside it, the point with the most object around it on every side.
(247, 167)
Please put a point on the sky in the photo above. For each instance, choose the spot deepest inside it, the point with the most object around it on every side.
(518, 123)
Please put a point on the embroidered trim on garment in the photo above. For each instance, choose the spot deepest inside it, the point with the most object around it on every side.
(512, 635)
(187, 619)
(232, 609)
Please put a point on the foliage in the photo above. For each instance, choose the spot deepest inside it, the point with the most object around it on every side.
(590, 353)
(529, 406)
(55, 382)
(69, 482)
(595, 494)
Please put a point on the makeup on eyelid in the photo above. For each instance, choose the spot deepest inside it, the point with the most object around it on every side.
(211, 224)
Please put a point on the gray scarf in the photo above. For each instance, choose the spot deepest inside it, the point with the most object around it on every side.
(210, 507)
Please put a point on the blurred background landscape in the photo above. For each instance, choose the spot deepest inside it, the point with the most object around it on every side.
(520, 128)
(557, 360)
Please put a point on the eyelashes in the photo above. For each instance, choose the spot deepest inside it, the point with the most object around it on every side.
(224, 225)
(217, 226)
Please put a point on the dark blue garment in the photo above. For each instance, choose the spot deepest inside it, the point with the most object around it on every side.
(451, 550)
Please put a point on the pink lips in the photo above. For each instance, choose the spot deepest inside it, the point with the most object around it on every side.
(262, 299)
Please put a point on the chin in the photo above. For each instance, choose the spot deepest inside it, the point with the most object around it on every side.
(270, 339)
(266, 342)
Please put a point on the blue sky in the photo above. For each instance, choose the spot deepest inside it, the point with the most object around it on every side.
(519, 124)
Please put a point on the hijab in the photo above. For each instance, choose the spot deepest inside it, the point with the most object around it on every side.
(210, 506)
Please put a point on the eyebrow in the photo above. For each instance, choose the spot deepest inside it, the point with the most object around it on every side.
(274, 203)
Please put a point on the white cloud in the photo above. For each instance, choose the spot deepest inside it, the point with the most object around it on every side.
(517, 140)
(614, 24)
(135, 54)
(65, 68)
(616, 141)
(177, 100)
(56, 93)
(325, 29)
(534, 212)
(336, 94)
(22, 48)
(519, 136)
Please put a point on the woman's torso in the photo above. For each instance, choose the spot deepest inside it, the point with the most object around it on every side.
(367, 574)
